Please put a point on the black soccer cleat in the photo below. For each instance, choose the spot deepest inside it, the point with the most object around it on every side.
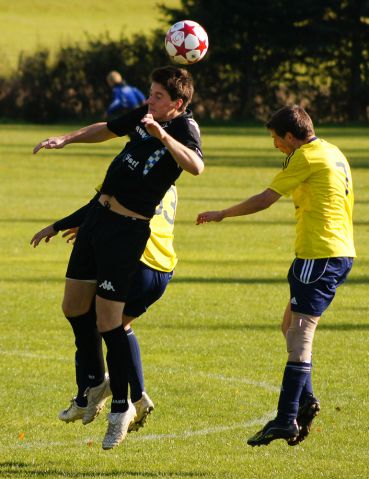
(274, 430)
(307, 412)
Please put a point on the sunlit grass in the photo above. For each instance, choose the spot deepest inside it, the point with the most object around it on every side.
(213, 354)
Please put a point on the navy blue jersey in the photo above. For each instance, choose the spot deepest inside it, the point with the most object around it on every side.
(144, 170)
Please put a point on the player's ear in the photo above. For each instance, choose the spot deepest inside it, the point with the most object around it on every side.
(289, 136)
(178, 104)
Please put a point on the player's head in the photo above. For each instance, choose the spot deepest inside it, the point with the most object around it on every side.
(291, 119)
(177, 82)
(114, 78)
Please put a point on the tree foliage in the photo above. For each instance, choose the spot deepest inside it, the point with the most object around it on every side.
(262, 54)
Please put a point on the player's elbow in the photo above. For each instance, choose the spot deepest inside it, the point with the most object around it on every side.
(267, 198)
(197, 168)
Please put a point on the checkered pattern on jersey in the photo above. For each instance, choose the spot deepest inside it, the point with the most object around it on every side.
(153, 159)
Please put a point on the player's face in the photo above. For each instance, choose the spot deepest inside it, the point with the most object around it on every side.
(284, 144)
(161, 106)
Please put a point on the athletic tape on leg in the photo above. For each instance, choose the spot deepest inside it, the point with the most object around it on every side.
(299, 338)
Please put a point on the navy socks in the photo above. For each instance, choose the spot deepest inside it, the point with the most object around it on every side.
(294, 380)
(135, 374)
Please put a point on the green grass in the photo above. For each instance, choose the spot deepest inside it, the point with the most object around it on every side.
(29, 25)
(213, 354)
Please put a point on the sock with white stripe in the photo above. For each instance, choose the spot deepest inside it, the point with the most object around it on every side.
(135, 374)
(307, 390)
(294, 379)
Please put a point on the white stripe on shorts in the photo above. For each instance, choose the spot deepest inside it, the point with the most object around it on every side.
(93, 281)
(306, 270)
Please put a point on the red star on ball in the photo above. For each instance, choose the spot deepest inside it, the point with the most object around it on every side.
(187, 29)
(203, 46)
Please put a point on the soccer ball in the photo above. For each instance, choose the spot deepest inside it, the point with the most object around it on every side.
(186, 42)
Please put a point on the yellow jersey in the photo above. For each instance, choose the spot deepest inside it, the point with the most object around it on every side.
(159, 252)
(318, 177)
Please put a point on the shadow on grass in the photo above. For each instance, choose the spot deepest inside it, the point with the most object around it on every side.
(343, 326)
(274, 326)
(14, 469)
(243, 280)
(190, 280)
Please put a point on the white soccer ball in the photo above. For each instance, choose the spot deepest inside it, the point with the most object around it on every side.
(186, 42)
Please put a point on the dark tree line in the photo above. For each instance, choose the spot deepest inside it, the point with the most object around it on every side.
(263, 54)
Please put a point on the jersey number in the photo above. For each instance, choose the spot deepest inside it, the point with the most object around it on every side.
(342, 165)
(168, 215)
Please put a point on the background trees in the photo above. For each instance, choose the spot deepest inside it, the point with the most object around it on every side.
(262, 54)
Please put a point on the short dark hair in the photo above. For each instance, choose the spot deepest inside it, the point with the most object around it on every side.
(177, 82)
(291, 119)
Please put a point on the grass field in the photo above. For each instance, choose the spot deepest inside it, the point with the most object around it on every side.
(28, 25)
(213, 354)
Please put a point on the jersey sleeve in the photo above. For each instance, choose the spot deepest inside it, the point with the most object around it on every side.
(126, 123)
(188, 133)
(295, 170)
(76, 218)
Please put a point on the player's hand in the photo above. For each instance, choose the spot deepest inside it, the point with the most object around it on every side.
(46, 233)
(208, 216)
(50, 143)
(70, 234)
(153, 127)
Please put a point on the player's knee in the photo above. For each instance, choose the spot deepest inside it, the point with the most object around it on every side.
(72, 308)
(299, 338)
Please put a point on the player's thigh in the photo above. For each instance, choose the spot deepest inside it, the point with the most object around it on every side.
(78, 296)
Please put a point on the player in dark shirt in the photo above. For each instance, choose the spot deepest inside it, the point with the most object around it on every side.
(112, 238)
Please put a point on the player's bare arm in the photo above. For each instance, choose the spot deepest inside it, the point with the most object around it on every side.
(252, 205)
(46, 233)
(186, 158)
(94, 133)
(70, 234)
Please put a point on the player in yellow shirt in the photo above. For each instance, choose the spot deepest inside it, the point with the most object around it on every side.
(317, 176)
(148, 285)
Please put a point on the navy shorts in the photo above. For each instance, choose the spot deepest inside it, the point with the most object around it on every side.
(107, 250)
(313, 283)
(147, 286)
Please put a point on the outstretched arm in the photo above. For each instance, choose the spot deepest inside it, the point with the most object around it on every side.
(251, 205)
(94, 133)
(46, 233)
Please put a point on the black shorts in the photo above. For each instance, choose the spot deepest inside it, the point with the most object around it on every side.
(147, 286)
(313, 283)
(107, 249)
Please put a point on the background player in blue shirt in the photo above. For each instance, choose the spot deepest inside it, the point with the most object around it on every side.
(125, 97)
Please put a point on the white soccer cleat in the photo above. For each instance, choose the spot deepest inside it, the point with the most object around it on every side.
(96, 399)
(143, 406)
(118, 427)
(72, 413)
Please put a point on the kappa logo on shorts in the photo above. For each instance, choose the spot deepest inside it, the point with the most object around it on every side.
(107, 285)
